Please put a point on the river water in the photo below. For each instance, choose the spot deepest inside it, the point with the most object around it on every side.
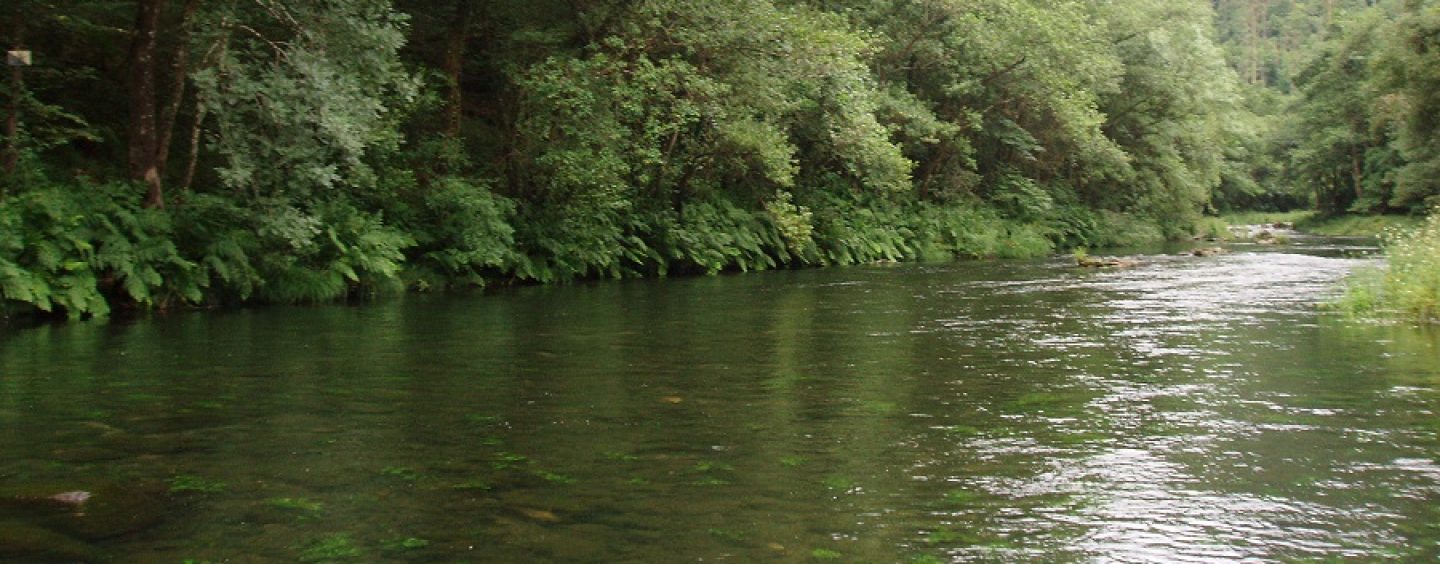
(1189, 409)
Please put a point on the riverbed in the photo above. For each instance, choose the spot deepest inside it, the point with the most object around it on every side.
(1186, 409)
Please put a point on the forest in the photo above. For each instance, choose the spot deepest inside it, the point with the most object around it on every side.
(165, 154)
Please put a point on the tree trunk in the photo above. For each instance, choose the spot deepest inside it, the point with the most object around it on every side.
(17, 91)
(180, 70)
(200, 111)
(143, 133)
(1357, 173)
(456, 38)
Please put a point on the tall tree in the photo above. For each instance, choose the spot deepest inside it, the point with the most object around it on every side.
(144, 132)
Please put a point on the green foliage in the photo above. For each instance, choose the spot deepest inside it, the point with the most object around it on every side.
(1409, 70)
(1410, 285)
(463, 230)
(73, 249)
(302, 92)
(617, 139)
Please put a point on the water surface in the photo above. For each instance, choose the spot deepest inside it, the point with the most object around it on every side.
(1191, 409)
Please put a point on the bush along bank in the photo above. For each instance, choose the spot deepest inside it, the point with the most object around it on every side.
(1407, 288)
(81, 251)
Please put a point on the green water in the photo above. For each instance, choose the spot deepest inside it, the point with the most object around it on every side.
(1188, 409)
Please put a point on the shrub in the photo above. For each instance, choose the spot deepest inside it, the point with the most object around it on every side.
(1409, 286)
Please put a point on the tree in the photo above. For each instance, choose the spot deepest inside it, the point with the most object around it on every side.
(1409, 69)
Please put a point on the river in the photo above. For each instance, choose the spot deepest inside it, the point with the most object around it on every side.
(1189, 409)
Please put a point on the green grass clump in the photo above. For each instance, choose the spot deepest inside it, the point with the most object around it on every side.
(1409, 287)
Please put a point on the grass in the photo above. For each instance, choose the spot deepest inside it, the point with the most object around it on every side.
(1409, 287)
(1268, 218)
(1358, 225)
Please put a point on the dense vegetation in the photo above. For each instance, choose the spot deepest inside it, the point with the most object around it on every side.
(1345, 99)
(341, 147)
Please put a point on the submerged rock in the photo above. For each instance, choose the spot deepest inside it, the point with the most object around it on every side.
(538, 515)
(1207, 251)
(116, 510)
(104, 511)
(24, 542)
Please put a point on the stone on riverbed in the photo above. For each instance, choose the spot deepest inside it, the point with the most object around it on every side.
(24, 542)
(103, 511)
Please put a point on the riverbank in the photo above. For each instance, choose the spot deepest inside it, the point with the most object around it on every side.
(82, 251)
(1331, 226)
(1408, 287)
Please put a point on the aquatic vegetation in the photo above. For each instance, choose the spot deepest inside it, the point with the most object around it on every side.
(727, 534)
(619, 456)
(962, 430)
(406, 544)
(508, 460)
(484, 419)
(1038, 399)
(707, 466)
(187, 483)
(331, 548)
(839, 483)
(553, 477)
(476, 485)
(638, 482)
(960, 496)
(400, 472)
(927, 559)
(825, 554)
(792, 461)
(880, 407)
(295, 503)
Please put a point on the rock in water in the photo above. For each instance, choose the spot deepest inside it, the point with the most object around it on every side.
(540, 515)
(109, 511)
(23, 542)
(1105, 262)
(72, 498)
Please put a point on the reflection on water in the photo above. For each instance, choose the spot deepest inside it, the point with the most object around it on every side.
(1190, 409)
